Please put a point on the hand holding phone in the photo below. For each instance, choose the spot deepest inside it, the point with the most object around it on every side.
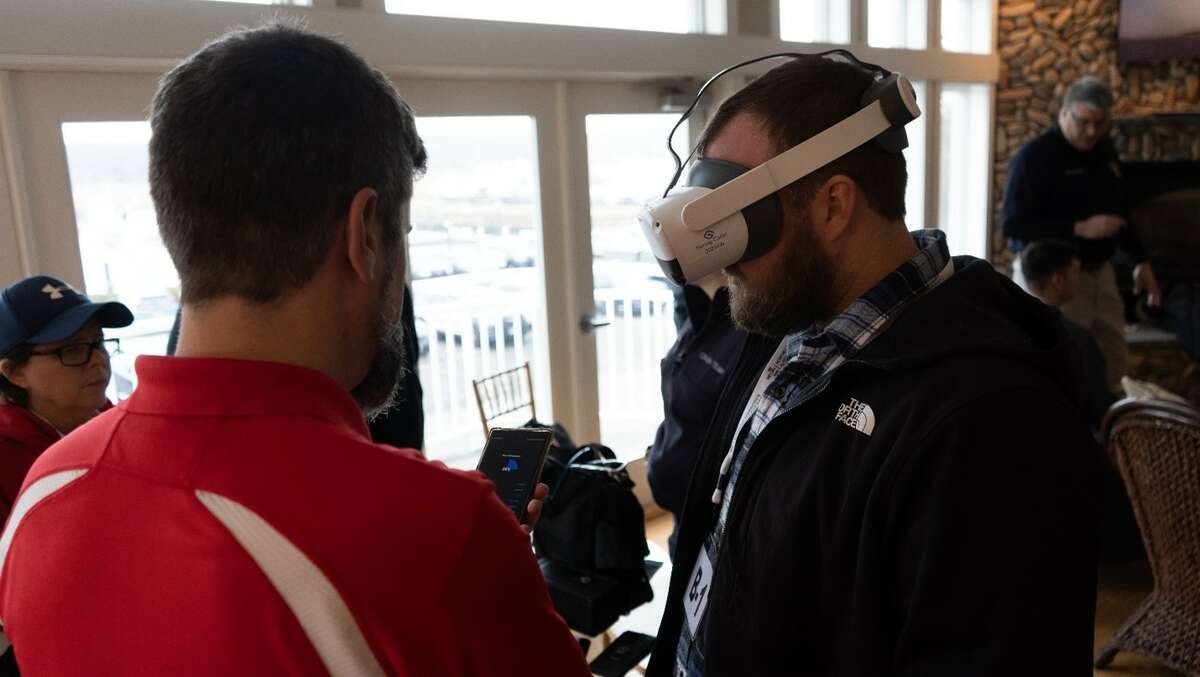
(513, 459)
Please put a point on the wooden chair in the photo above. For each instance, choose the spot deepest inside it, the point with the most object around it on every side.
(504, 393)
(1156, 446)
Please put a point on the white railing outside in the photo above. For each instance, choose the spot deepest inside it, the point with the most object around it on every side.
(455, 351)
(628, 354)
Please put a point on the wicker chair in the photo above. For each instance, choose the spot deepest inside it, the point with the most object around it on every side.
(1156, 446)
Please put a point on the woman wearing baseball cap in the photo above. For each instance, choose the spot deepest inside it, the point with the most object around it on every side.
(54, 370)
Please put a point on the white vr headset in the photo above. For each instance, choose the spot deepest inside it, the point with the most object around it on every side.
(727, 213)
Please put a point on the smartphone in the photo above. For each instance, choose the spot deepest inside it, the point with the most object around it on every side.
(622, 655)
(513, 460)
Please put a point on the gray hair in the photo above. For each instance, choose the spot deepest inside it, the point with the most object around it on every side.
(1089, 90)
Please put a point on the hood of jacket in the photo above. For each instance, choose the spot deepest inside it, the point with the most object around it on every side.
(978, 312)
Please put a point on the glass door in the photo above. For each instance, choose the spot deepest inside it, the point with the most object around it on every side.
(474, 269)
(627, 165)
(122, 254)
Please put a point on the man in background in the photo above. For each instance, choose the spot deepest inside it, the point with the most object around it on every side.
(1066, 184)
(233, 517)
(694, 372)
(1052, 272)
(403, 424)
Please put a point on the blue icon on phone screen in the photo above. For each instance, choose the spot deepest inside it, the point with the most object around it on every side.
(510, 465)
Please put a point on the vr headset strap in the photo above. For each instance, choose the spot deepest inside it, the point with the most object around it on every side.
(787, 167)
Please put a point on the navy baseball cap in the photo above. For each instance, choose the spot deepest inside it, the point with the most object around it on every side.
(42, 309)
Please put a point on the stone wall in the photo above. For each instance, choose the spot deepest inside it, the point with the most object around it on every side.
(1047, 44)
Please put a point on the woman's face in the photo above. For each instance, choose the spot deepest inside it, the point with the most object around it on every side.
(56, 387)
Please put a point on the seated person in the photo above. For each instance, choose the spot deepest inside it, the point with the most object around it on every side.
(54, 369)
(1051, 269)
(1181, 306)
(1052, 273)
(693, 375)
(232, 516)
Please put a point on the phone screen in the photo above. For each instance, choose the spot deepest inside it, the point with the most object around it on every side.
(513, 460)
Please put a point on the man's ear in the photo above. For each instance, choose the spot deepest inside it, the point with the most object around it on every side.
(364, 235)
(833, 207)
(1057, 281)
(14, 373)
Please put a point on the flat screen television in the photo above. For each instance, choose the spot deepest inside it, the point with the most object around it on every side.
(1157, 30)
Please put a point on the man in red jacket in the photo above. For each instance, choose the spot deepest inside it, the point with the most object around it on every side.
(232, 517)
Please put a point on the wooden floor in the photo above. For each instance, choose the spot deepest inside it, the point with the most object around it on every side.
(1122, 588)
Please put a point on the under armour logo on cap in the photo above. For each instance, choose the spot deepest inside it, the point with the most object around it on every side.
(56, 293)
(44, 309)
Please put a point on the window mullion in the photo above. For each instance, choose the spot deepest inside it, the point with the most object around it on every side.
(933, 25)
(858, 22)
(933, 146)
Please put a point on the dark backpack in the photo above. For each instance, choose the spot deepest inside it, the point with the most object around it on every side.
(592, 521)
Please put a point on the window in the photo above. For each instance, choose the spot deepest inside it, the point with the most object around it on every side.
(963, 188)
(628, 165)
(967, 26)
(123, 256)
(815, 21)
(897, 23)
(667, 16)
(914, 160)
(475, 268)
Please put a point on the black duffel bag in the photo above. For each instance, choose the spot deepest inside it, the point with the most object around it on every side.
(591, 522)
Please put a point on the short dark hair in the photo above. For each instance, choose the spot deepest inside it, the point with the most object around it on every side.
(802, 98)
(1042, 259)
(1089, 90)
(260, 141)
(11, 392)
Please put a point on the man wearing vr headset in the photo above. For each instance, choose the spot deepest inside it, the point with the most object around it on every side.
(861, 504)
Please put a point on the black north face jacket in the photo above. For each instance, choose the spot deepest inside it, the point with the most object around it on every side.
(931, 512)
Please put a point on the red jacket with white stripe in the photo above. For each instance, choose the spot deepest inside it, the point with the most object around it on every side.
(233, 518)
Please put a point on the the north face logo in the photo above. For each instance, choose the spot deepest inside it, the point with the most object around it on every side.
(857, 415)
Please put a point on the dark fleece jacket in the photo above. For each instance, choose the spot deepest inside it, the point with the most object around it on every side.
(954, 535)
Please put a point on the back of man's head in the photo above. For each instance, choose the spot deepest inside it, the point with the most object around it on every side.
(260, 140)
(803, 97)
(1041, 261)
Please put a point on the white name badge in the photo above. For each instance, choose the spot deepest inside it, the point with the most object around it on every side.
(695, 597)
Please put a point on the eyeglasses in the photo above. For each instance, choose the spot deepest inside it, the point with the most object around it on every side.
(79, 354)
(1098, 125)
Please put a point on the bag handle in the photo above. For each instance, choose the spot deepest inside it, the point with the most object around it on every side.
(600, 454)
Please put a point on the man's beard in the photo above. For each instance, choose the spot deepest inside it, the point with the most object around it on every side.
(798, 294)
(379, 388)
